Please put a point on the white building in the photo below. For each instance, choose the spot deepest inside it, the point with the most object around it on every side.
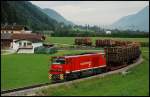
(25, 45)
(108, 32)
(23, 42)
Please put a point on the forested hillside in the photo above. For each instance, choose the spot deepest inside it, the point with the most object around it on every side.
(25, 13)
(56, 16)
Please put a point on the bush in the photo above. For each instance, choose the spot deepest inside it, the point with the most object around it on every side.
(45, 50)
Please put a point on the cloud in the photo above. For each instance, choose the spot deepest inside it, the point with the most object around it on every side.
(93, 12)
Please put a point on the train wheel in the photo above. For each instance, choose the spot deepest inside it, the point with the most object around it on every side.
(104, 70)
(94, 72)
(67, 77)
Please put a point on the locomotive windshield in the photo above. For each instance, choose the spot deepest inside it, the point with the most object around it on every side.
(58, 61)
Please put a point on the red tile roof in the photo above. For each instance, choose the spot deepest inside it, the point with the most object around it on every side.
(28, 36)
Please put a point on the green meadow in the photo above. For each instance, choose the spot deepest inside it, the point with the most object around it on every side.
(70, 40)
(19, 70)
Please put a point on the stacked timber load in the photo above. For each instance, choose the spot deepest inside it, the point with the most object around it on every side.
(122, 55)
(121, 43)
(78, 41)
(83, 41)
(116, 55)
(111, 43)
(105, 43)
(99, 43)
(136, 47)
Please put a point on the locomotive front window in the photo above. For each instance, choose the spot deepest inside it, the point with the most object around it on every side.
(58, 61)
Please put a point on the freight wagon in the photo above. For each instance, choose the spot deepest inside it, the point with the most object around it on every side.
(104, 43)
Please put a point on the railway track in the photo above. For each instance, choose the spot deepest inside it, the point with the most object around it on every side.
(31, 90)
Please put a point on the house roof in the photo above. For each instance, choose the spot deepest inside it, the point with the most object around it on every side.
(28, 36)
(6, 36)
(13, 27)
(23, 36)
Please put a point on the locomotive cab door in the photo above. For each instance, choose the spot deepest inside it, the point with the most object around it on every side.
(67, 65)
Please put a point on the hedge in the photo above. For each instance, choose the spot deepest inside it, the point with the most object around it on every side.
(45, 50)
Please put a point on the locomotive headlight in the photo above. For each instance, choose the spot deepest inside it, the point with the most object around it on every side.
(50, 76)
(61, 76)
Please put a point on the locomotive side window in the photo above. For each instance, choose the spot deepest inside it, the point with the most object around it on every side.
(58, 61)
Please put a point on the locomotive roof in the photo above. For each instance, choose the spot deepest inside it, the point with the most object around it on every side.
(82, 55)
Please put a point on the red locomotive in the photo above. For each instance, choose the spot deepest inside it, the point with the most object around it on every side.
(76, 66)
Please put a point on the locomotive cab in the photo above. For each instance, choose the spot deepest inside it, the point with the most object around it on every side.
(56, 69)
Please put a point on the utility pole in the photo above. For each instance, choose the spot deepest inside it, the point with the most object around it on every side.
(86, 27)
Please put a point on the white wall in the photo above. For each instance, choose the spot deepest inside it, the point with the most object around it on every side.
(108, 32)
(26, 51)
(23, 31)
(37, 44)
(16, 46)
(30, 50)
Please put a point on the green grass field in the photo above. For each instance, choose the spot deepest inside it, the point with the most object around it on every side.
(70, 40)
(18, 70)
(135, 83)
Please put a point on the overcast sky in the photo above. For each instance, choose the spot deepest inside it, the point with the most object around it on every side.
(93, 12)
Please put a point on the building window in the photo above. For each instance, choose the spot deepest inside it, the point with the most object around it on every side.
(24, 44)
(19, 43)
(29, 43)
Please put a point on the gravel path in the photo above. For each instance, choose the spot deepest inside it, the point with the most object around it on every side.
(32, 92)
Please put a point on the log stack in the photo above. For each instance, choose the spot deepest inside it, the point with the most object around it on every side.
(83, 41)
(105, 43)
(121, 55)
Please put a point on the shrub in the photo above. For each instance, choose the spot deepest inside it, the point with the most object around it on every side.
(45, 50)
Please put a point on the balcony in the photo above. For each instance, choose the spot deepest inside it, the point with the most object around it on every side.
(26, 47)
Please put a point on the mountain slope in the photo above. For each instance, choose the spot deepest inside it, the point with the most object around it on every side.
(138, 21)
(56, 16)
(25, 13)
